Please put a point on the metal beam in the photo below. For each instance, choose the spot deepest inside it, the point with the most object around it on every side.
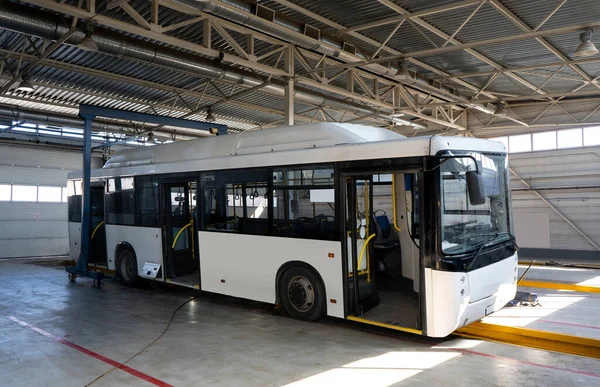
(434, 120)
(374, 43)
(463, 46)
(154, 35)
(517, 69)
(288, 96)
(425, 12)
(521, 24)
(151, 118)
(523, 98)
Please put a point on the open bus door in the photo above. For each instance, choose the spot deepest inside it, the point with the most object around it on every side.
(359, 204)
(180, 242)
(380, 286)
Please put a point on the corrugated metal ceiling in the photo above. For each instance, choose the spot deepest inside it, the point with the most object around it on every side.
(411, 37)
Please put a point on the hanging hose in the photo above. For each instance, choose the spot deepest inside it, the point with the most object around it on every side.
(525, 272)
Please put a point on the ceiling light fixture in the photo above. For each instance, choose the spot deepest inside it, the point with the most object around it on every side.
(500, 109)
(403, 74)
(586, 47)
(88, 43)
(210, 117)
(25, 84)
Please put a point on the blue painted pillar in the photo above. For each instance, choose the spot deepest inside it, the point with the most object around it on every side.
(86, 221)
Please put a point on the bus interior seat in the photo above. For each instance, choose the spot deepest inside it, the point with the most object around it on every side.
(384, 232)
(385, 241)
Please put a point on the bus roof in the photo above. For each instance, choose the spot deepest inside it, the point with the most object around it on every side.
(297, 144)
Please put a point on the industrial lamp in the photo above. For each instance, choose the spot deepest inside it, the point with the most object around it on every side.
(25, 84)
(500, 109)
(403, 74)
(586, 47)
(88, 43)
(210, 117)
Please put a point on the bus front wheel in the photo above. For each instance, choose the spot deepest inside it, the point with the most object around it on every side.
(127, 268)
(302, 294)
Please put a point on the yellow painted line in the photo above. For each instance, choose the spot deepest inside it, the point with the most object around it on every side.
(389, 326)
(558, 342)
(559, 286)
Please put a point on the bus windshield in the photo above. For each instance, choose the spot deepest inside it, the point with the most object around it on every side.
(466, 227)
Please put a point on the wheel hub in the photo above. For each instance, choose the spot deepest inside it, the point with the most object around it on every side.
(301, 293)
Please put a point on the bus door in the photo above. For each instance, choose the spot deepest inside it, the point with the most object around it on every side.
(97, 252)
(181, 263)
(381, 259)
(359, 205)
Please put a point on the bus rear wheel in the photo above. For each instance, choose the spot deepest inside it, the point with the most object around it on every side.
(302, 294)
(127, 268)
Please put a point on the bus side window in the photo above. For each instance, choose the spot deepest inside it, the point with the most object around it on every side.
(304, 203)
(146, 190)
(236, 202)
(120, 202)
(74, 200)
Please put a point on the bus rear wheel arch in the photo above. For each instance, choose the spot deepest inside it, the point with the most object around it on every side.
(126, 265)
(301, 292)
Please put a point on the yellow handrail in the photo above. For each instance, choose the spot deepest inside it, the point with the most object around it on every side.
(179, 233)
(394, 203)
(96, 229)
(362, 251)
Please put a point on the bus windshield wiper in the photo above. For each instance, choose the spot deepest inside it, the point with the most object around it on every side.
(481, 246)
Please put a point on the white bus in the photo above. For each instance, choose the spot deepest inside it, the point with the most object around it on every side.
(343, 220)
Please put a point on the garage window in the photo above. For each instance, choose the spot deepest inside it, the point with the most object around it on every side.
(49, 194)
(570, 138)
(544, 141)
(591, 136)
(5, 190)
(24, 193)
(520, 143)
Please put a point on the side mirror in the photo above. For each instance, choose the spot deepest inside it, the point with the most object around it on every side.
(475, 188)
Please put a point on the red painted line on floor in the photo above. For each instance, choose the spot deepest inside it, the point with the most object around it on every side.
(468, 351)
(571, 324)
(93, 354)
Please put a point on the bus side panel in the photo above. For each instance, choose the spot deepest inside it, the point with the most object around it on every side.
(246, 265)
(74, 240)
(146, 241)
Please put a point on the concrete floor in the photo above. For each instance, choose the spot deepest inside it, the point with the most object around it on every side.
(565, 275)
(559, 311)
(56, 333)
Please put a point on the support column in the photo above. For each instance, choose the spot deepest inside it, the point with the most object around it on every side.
(86, 204)
(81, 268)
(288, 91)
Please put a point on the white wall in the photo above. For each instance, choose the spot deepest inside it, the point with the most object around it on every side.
(21, 235)
(536, 223)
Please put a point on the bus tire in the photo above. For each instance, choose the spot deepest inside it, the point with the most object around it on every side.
(127, 267)
(302, 294)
